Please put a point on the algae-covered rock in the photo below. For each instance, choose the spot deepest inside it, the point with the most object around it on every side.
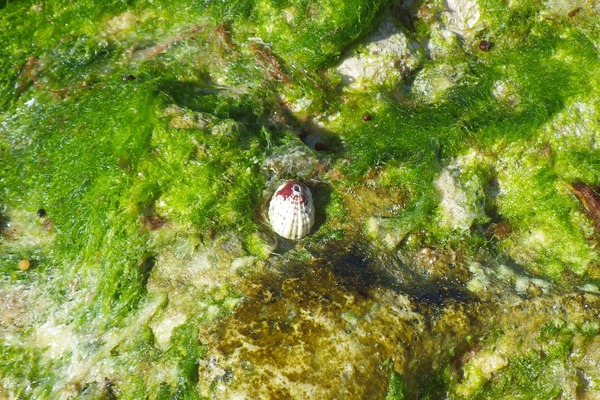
(388, 56)
(451, 148)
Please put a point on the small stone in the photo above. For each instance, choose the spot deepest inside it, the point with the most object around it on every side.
(499, 231)
(574, 12)
(23, 265)
(367, 117)
(484, 45)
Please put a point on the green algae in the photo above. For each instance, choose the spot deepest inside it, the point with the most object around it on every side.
(532, 373)
(395, 390)
(472, 115)
(143, 130)
(319, 32)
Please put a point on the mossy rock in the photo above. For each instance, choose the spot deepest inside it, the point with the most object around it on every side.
(458, 186)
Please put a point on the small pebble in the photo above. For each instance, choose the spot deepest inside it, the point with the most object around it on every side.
(366, 117)
(41, 213)
(484, 45)
(574, 12)
(48, 224)
(23, 265)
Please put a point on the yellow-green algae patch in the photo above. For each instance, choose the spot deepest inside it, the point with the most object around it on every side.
(322, 328)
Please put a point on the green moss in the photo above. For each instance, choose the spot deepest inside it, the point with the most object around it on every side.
(530, 371)
(412, 142)
(22, 367)
(530, 377)
(336, 216)
(309, 34)
(396, 387)
(548, 238)
(187, 351)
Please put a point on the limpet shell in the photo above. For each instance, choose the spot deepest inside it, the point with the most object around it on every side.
(291, 210)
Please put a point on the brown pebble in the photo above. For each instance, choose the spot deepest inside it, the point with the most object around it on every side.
(574, 12)
(23, 265)
(320, 146)
(123, 163)
(366, 117)
(498, 231)
(48, 224)
(484, 45)
(153, 222)
(589, 199)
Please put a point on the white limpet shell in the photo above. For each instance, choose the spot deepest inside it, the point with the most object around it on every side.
(291, 211)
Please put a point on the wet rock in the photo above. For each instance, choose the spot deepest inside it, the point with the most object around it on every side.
(293, 161)
(387, 57)
(182, 118)
(341, 313)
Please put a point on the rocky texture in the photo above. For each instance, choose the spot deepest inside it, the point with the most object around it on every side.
(452, 254)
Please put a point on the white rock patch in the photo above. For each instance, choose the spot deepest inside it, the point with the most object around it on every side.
(56, 339)
(461, 16)
(163, 329)
(386, 57)
(457, 213)
(461, 198)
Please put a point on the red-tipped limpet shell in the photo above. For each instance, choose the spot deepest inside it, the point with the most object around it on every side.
(291, 211)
